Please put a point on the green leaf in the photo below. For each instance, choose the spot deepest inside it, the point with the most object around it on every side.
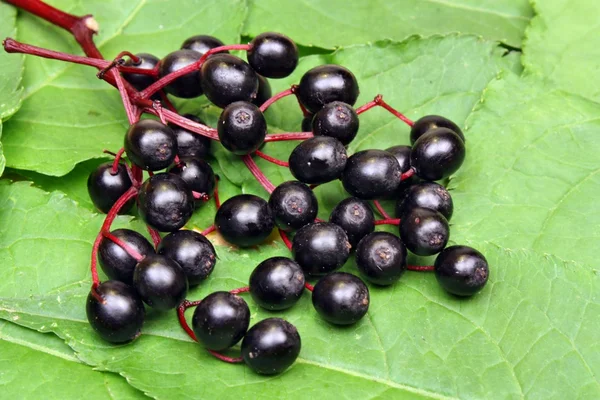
(35, 366)
(563, 43)
(68, 115)
(335, 23)
(530, 178)
(11, 66)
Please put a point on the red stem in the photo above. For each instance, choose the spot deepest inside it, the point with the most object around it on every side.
(388, 221)
(231, 360)
(155, 236)
(13, 46)
(200, 196)
(115, 166)
(407, 174)
(273, 99)
(381, 211)
(309, 287)
(240, 290)
(402, 117)
(258, 174)
(132, 111)
(366, 107)
(208, 230)
(216, 193)
(420, 268)
(285, 239)
(271, 159)
(185, 123)
(280, 137)
(128, 249)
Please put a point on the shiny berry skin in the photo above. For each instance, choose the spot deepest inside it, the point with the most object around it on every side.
(202, 43)
(429, 122)
(307, 123)
(120, 317)
(427, 195)
(277, 283)
(318, 160)
(187, 86)
(105, 188)
(341, 298)
(402, 154)
(437, 154)
(461, 270)
(273, 55)
(227, 79)
(293, 205)
(244, 220)
(371, 174)
(264, 91)
(355, 217)
(150, 144)
(327, 83)
(190, 144)
(381, 258)
(197, 174)
(193, 252)
(141, 81)
(320, 248)
(116, 263)
(165, 202)
(271, 346)
(160, 281)
(338, 120)
(242, 127)
(221, 320)
(425, 232)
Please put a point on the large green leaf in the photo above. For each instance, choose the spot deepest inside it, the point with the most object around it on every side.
(11, 66)
(563, 43)
(340, 23)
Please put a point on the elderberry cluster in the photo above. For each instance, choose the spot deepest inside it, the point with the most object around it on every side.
(160, 275)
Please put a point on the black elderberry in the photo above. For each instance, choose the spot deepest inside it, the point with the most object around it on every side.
(277, 283)
(429, 122)
(355, 217)
(437, 154)
(264, 91)
(221, 320)
(371, 174)
(242, 127)
(165, 202)
(338, 120)
(318, 160)
(105, 187)
(427, 195)
(293, 205)
(327, 83)
(197, 174)
(244, 220)
(190, 144)
(145, 61)
(187, 86)
(320, 248)
(341, 298)
(402, 154)
(424, 231)
(116, 263)
(120, 316)
(150, 145)
(160, 281)
(381, 258)
(202, 43)
(273, 55)
(461, 270)
(227, 79)
(271, 346)
(307, 123)
(192, 251)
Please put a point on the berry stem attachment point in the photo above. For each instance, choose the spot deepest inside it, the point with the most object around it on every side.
(420, 268)
(258, 174)
(128, 249)
(200, 196)
(381, 210)
(388, 221)
(407, 174)
(285, 239)
(155, 236)
(309, 287)
(118, 155)
(271, 159)
(275, 98)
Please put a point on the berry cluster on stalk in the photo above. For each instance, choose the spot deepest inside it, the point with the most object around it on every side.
(167, 176)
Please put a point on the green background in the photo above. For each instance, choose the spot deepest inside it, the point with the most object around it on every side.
(522, 78)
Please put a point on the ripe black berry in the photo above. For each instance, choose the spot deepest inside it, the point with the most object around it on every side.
(371, 174)
(273, 55)
(338, 120)
(293, 205)
(271, 346)
(318, 160)
(428, 122)
(437, 154)
(424, 232)
(277, 283)
(202, 43)
(355, 217)
(120, 317)
(402, 154)
(141, 81)
(307, 123)
(221, 320)
(150, 145)
(327, 83)
(116, 263)
(381, 258)
(264, 91)
(160, 281)
(190, 144)
(242, 127)
(427, 195)
(165, 202)
(461, 270)
(192, 251)
(197, 174)
(105, 188)
(320, 248)
(187, 86)
(244, 220)
(341, 298)
(227, 79)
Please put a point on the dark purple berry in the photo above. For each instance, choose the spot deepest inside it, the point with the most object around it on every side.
(355, 217)
(264, 91)
(202, 43)
(227, 79)
(105, 187)
(244, 220)
(320, 248)
(437, 154)
(318, 160)
(429, 122)
(242, 128)
(402, 154)
(160, 281)
(371, 174)
(381, 258)
(461, 270)
(425, 232)
(150, 145)
(187, 86)
(277, 283)
(307, 123)
(197, 174)
(192, 251)
(338, 120)
(427, 195)
(325, 84)
(141, 81)
(293, 205)
(116, 263)
(190, 144)
(273, 55)
(341, 298)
